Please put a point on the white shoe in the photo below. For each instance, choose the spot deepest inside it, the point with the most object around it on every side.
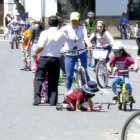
(138, 57)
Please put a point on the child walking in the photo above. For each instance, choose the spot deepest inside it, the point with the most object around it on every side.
(74, 98)
(26, 49)
(121, 60)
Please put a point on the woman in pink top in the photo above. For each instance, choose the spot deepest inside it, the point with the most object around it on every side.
(121, 60)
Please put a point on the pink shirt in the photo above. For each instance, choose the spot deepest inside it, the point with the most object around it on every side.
(122, 63)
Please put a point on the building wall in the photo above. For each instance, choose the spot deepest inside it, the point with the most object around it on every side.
(111, 7)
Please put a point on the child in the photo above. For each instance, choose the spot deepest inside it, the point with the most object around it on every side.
(103, 37)
(137, 35)
(26, 50)
(121, 60)
(74, 98)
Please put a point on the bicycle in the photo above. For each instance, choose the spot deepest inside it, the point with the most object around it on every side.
(123, 94)
(79, 75)
(15, 38)
(101, 70)
(131, 128)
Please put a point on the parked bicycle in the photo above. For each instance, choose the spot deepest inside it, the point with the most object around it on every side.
(123, 94)
(131, 128)
(15, 38)
(79, 76)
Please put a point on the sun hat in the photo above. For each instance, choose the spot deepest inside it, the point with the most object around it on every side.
(90, 87)
(117, 46)
(74, 16)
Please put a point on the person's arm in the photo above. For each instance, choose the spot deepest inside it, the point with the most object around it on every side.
(38, 50)
(109, 67)
(77, 105)
(90, 104)
(136, 67)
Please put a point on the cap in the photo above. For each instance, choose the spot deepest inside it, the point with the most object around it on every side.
(25, 24)
(90, 87)
(117, 46)
(75, 16)
(90, 14)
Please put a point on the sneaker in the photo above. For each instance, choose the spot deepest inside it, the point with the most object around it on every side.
(115, 97)
(28, 69)
(138, 57)
(24, 68)
(132, 99)
(59, 107)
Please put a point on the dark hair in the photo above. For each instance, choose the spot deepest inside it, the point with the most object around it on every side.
(53, 21)
(125, 53)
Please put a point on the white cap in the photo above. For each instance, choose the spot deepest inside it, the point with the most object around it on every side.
(117, 46)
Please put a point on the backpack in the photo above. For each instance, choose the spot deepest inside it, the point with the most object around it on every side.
(44, 92)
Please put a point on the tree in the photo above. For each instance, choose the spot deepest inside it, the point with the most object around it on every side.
(20, 9)
(82, 6)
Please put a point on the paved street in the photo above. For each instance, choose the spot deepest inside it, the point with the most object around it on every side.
(19, 120)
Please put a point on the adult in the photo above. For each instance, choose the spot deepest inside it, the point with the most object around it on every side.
(76, 35)
(36, 28)
(49, 46)
(61, 58)
(8, 31)
(90, 23)
(137, 35)
(103, 37)
(123, 24)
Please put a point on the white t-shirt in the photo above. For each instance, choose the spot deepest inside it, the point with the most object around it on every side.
(106, 38)
(75, 37)
(137, 32)
(51, 40)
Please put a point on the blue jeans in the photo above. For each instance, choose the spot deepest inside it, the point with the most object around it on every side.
(70, 64)
(123, 27)
(116, 79)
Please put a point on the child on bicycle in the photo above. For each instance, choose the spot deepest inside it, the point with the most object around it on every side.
(103, 37)
(74, 98)
(121, 60)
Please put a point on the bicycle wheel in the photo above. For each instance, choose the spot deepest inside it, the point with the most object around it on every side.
(81, 77)
(124, 102)
(131, 128)
(74, 79)
(101, 74)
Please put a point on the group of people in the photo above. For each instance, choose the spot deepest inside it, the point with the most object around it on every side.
(48, 44)
(57, 38)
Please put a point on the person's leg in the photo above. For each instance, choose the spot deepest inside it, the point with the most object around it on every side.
(83, 58)
(39, 79)
(108, 53)
(69, 67)
(122, 32)
(28, 57)
(115, 81)
(128, 85)
(53, 78)
(138, 44)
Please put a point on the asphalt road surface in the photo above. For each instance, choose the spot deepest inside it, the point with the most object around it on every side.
(19, 120)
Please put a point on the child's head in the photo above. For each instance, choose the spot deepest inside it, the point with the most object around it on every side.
(90, 88)
(100, 27)
(119, 50)
(25, 25)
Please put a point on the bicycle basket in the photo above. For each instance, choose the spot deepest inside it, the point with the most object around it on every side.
(99, 53)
